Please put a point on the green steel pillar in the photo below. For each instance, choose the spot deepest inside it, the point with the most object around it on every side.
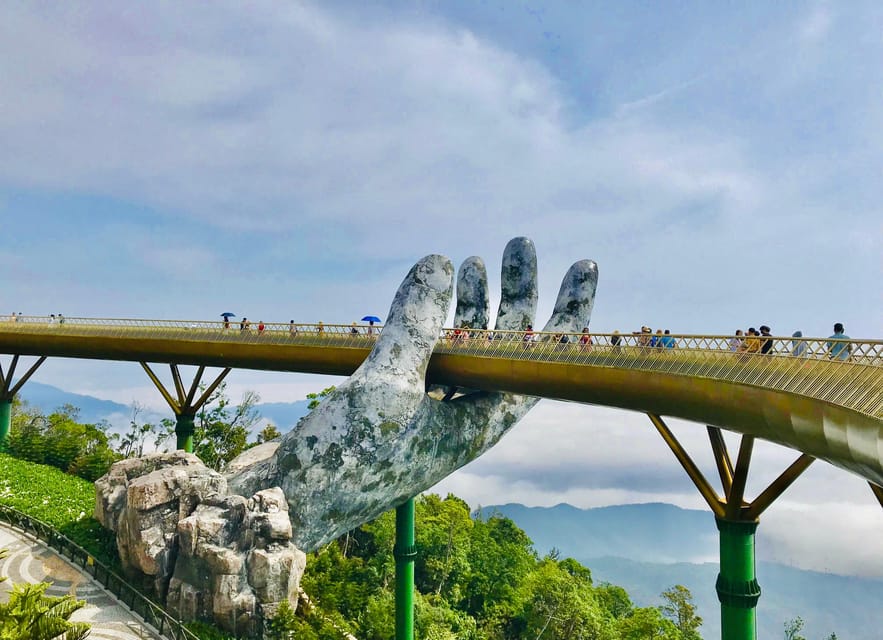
(737, 587)
(5, 421)
(404, 552)
(184, 431)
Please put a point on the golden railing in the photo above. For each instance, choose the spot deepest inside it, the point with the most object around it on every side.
(847, 373)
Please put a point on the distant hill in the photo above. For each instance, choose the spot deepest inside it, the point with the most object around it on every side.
(647, 548)
(93, 410)
(644, 532)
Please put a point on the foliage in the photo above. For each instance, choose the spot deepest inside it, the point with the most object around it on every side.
(133, 441)
(59, 440)
(206, 631)
(316, 398)
(30, 614)
(679, 608)
(220, 428)
(268, 433)
(647, 624)
(475, 580)
(793, 628)
(60, 500)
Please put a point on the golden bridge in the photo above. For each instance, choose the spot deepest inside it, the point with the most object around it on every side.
(819, 396)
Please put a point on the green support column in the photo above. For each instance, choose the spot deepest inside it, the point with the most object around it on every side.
(184, 431)
(5, 421)
(404, 552)
(737, 587)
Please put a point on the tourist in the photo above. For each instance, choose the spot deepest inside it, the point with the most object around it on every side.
(736, 342)
(645, 335)
(261, 326)
(668, 341)
(766, 342)
(656, 340)
(353, 330)
(615, 339)
(585, 340)
(320, 328)
(528, 336)
(292, 328)
(752, 342)
(838, 350)
(798, 347)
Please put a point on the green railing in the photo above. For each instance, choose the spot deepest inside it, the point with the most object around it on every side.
(146, 609)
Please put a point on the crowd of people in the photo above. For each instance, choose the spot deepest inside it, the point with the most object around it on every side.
(752, 341)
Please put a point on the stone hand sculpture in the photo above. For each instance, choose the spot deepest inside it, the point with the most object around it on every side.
(379, 439)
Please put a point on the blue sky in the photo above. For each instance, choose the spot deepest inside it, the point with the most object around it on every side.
(293, 160)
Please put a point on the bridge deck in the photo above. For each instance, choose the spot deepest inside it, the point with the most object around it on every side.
(828, 408)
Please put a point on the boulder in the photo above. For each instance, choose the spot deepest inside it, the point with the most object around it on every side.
(207, 554)
(236, 562)
(143, 499)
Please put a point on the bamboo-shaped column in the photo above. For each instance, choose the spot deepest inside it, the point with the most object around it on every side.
(405, 553)
(737, 520)
(183, 404)
(7, 393)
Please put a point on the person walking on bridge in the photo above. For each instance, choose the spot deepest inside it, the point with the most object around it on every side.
(752, 342)
(838, 350)
(766, 340)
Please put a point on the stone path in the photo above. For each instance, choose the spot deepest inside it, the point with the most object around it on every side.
(29, 560)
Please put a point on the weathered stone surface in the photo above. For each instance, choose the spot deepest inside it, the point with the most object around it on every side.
(379, 439)
(143, 499)
(237, 555)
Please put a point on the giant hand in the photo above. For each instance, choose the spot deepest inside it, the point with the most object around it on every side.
(379, 439)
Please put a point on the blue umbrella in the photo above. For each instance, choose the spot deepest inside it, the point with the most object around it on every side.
(227, 314)
(370, 319)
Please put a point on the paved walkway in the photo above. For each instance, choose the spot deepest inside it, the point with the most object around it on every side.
(29, 560)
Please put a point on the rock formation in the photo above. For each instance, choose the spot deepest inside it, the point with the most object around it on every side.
(207, 555)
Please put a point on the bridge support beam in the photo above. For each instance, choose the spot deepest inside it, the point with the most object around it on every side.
(405, 552)
(184, 403)
(737, 520)
(7, 393)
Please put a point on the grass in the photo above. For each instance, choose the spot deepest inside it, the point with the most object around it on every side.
(65, 502)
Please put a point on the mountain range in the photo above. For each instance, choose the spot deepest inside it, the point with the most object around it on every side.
(94, 410)
(647, 548)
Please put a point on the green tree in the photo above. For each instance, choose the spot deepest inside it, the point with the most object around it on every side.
(30, 614)
(270, 432)
(560, 604)
(316, 398)
(647, 624)
(443, 537)
(221, 428)
(615, 599)
(133, 441)
(60, 441)
(793, 628)
(500, 557)
(678, 607)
